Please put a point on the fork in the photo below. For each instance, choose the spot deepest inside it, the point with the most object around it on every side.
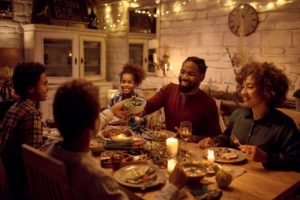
(235, 140)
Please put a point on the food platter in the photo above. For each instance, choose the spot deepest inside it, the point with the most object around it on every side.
(226, 155)
(158, 135)
(140, 176)
(116, 133)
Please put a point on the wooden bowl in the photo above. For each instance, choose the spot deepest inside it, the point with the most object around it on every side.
(194, 172)
(135, 105)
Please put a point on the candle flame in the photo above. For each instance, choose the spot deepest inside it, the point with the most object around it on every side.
(210, 155)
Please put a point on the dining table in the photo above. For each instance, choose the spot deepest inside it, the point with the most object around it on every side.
(251, 181)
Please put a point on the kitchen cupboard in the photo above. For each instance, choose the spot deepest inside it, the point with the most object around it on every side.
(67, 53)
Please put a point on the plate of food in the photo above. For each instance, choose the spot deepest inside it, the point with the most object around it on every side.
(158, 135)
(140, 176)
(121, 133)
(227, 155)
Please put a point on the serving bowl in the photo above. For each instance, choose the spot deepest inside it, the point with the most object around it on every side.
(135, 105)
(194, 172)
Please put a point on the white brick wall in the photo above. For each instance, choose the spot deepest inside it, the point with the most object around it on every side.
(200, 29)
(277, 39)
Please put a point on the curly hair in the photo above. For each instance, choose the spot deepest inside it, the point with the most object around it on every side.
(76, 107)
(26, 75)
(137, 72)
(271, 80)
(199, 62)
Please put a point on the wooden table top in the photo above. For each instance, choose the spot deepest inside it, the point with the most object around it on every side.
(255, 183)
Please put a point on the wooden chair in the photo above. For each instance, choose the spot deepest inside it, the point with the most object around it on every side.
(4, 188)
(221, 119)
(47, 176)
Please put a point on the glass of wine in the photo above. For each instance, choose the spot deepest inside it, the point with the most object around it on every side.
(185, 132)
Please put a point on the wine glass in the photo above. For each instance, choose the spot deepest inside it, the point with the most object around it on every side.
(185, 132)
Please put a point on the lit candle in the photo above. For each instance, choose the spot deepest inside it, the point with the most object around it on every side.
(171, 165)
(172, 147)
(210, 156)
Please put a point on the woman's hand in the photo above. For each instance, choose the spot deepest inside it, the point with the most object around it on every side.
(205, 143)
(254, 153)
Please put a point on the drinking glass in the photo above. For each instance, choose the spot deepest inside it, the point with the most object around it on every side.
(185, 132)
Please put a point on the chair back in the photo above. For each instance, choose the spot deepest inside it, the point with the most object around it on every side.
(4, 188)
(47, 176)
(221, 119)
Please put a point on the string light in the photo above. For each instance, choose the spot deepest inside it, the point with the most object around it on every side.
(115, 13)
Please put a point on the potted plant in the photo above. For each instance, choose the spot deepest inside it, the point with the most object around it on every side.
(297, 98)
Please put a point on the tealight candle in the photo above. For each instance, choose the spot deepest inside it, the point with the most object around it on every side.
(210, 156)
(172, 147)
(171, 165)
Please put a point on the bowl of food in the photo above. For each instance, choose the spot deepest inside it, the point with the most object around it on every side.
(135, 105)
(194, 172)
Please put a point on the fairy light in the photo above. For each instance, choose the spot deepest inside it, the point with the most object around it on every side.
(270, 5)
(115, 13)
(177, 7)
(281, 2)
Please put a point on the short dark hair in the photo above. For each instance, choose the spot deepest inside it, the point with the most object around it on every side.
(271, 80)
(26, 75)
(199, 62)
(136, 70)
(76, 107)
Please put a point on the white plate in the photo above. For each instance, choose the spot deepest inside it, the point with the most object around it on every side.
(122, 174)
(240, 155)
(149, 135)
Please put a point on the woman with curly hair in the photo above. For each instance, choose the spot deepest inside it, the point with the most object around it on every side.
(131, 76)
(264, 133)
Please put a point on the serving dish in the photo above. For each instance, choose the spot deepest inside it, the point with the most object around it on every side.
(194, 172)
(158, 135)
(134, 105)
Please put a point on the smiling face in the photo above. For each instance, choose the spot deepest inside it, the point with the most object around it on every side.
(251, 93)
(189, 77)
(127, 83)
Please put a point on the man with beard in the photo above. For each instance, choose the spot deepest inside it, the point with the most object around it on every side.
(186, 102)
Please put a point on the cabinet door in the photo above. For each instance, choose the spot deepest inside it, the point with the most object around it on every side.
(59, 55)
(92, 58)
(140, 53)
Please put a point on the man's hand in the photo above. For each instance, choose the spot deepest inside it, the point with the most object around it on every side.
(205, 143)
(254, 153)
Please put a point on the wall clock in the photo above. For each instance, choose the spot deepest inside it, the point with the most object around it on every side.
(243, 20)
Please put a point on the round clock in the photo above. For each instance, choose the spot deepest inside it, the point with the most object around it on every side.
(243, 20)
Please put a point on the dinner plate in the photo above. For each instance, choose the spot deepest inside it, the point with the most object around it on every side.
(148, 134)
(122, 174)
(240, 155)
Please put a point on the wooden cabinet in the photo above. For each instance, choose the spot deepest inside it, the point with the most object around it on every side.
(67, 53)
